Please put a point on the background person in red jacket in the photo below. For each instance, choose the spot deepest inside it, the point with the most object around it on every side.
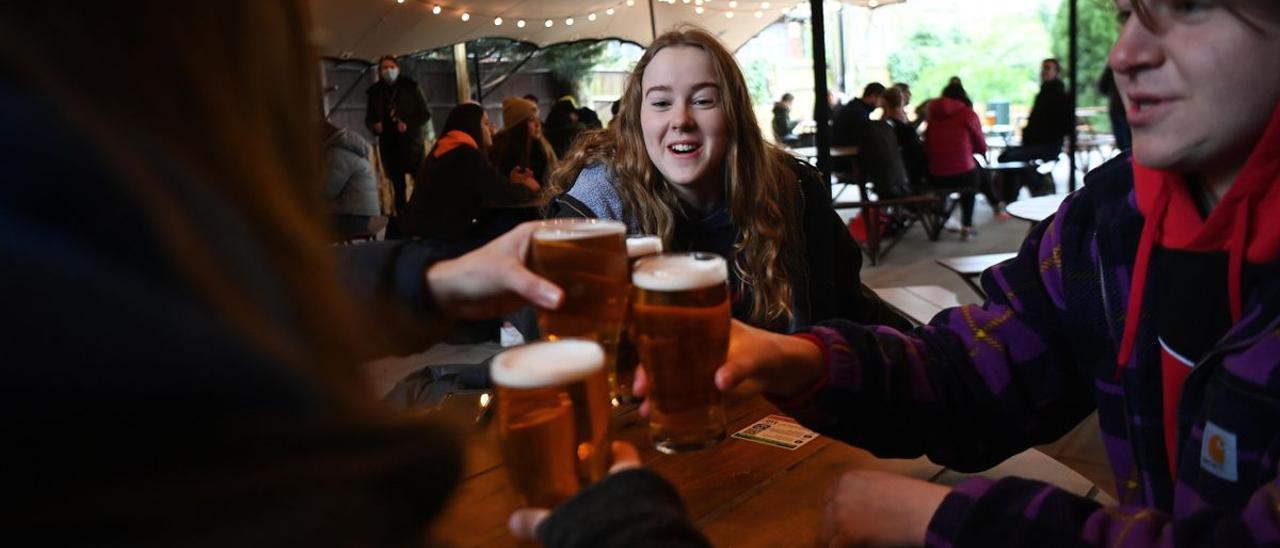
(951, 139)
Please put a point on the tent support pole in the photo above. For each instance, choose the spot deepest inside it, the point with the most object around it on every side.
(821, 109)
(1074, 54)
(460, 72)
(653, 23)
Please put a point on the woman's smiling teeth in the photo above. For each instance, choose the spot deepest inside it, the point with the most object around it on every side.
(684, 148)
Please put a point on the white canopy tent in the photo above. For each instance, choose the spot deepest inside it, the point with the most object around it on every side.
(368, 29)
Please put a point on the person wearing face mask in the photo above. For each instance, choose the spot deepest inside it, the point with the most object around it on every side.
(687, 161)
(397, 113)
(1152, 296)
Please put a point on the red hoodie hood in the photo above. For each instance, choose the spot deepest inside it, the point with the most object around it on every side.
(945, 107)
(1241, 225)
(451, 140)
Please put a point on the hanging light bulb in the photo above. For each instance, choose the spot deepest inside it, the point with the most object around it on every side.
(728, 15)
(399, 1)
(631, 3)
(759, 15)
(497, 21)
(698, 10)
(520, 23)
(608, 11)
(733, 4)
(466, 16)
(697, 2)
(435, 9)
(548, 23)
(764, 5)
(591, 17)
(568, 21)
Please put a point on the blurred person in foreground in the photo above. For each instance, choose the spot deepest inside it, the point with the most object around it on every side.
(182, 348)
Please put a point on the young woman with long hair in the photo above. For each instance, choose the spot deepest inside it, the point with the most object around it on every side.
(686, 160)
(521, 142)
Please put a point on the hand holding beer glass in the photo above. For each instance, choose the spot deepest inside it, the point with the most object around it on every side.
(680, 326)
(587, 258)
(553, 418)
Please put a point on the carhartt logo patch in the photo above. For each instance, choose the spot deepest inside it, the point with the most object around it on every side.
(1218, 452)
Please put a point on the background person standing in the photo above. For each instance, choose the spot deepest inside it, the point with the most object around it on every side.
(397, 113)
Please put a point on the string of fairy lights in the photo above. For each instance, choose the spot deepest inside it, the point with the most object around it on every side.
(726, 8)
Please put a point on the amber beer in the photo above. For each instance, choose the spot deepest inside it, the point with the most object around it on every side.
(638, 247)
(553, 418)
(587, 258)
(680, 326)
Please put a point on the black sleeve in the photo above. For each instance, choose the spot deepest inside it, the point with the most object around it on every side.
(632, 508)
(372, 108)
(418, 114)
(835, 263)
(494, 186)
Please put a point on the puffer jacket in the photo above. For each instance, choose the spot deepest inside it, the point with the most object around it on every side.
(350, 184)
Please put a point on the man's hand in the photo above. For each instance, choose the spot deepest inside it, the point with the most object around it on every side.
(377, 128)
(867, 508)
(783, 365)
(492, 280)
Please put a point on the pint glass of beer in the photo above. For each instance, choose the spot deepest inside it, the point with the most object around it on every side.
(553, 418)
(638, 247)
(587, 258)
(680, 326)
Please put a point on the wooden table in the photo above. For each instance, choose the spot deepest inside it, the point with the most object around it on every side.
(739, 493)
(836, 152)
(919, 303)
(970, 267)
(1034, 210)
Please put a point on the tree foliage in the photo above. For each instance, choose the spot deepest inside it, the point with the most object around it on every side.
(1097, 31)
(998, 61)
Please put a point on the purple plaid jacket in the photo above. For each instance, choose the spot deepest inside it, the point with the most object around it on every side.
(982, 383)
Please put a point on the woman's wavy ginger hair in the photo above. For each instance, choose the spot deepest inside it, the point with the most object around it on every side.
(760, 186)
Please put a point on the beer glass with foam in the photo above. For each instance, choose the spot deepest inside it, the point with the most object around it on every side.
(552, 418)
(638, 247)
(587, 258)
(680, 326)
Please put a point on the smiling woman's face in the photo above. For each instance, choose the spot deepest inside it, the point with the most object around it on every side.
(683, 119)
(1200, 88)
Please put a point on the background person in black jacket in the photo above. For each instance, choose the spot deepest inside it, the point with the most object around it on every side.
(397, 113)
(456, 181)
(1049, 123)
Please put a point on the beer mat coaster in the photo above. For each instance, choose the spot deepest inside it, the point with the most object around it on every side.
(778, 431)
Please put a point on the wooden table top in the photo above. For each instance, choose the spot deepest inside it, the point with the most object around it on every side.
(836, 151)
(974, 265)
(1035, 210)
(739, 493)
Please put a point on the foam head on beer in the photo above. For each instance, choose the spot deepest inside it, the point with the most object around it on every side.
(643, 245)
(577, 229)
(682, 272)
(544, 364)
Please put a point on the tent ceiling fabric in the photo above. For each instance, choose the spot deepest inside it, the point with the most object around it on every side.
(368, 29)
